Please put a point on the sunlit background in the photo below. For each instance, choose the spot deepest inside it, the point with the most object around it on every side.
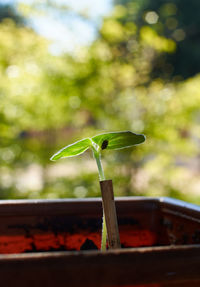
(73, 69)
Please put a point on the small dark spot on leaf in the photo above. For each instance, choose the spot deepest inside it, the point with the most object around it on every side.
(104, 144)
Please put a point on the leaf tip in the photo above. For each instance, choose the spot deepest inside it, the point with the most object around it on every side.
(55, 157)
(52, 158)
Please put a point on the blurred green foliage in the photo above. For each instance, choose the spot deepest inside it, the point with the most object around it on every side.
(48, 101)
(177, 20)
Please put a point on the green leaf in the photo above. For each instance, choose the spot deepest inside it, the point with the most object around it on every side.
(73, 149)
(118, 140)
(114, 140)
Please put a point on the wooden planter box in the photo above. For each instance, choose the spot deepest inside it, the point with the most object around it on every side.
(49, 243)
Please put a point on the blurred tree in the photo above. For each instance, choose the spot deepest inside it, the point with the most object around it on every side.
(48, 100)
(176, 20)
(24, 110)
(10, 12)
(110, 87)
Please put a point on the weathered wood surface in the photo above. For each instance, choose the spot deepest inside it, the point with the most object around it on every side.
(161, 265)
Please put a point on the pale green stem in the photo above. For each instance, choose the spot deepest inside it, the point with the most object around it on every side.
(104, 234)
(101, 177)
(99, 165)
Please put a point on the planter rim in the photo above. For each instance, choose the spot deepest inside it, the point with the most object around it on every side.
(93, 206)
(92, 199)
(92, 253)
(162, 200)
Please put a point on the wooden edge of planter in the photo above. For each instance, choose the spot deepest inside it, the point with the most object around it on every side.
(68, 206)
(110, 252)
(118, 267)
(93, 206)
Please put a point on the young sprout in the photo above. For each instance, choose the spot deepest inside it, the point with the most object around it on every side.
(106, 141)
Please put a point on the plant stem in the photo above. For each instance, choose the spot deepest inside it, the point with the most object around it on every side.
(104, 234)
(101, 177)
(99, 165)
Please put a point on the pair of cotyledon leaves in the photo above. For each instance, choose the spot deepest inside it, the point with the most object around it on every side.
(110, 141)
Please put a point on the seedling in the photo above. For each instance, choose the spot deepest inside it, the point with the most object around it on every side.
(106, 141)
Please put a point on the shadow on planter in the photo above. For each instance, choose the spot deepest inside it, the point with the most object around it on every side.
(35, 235)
